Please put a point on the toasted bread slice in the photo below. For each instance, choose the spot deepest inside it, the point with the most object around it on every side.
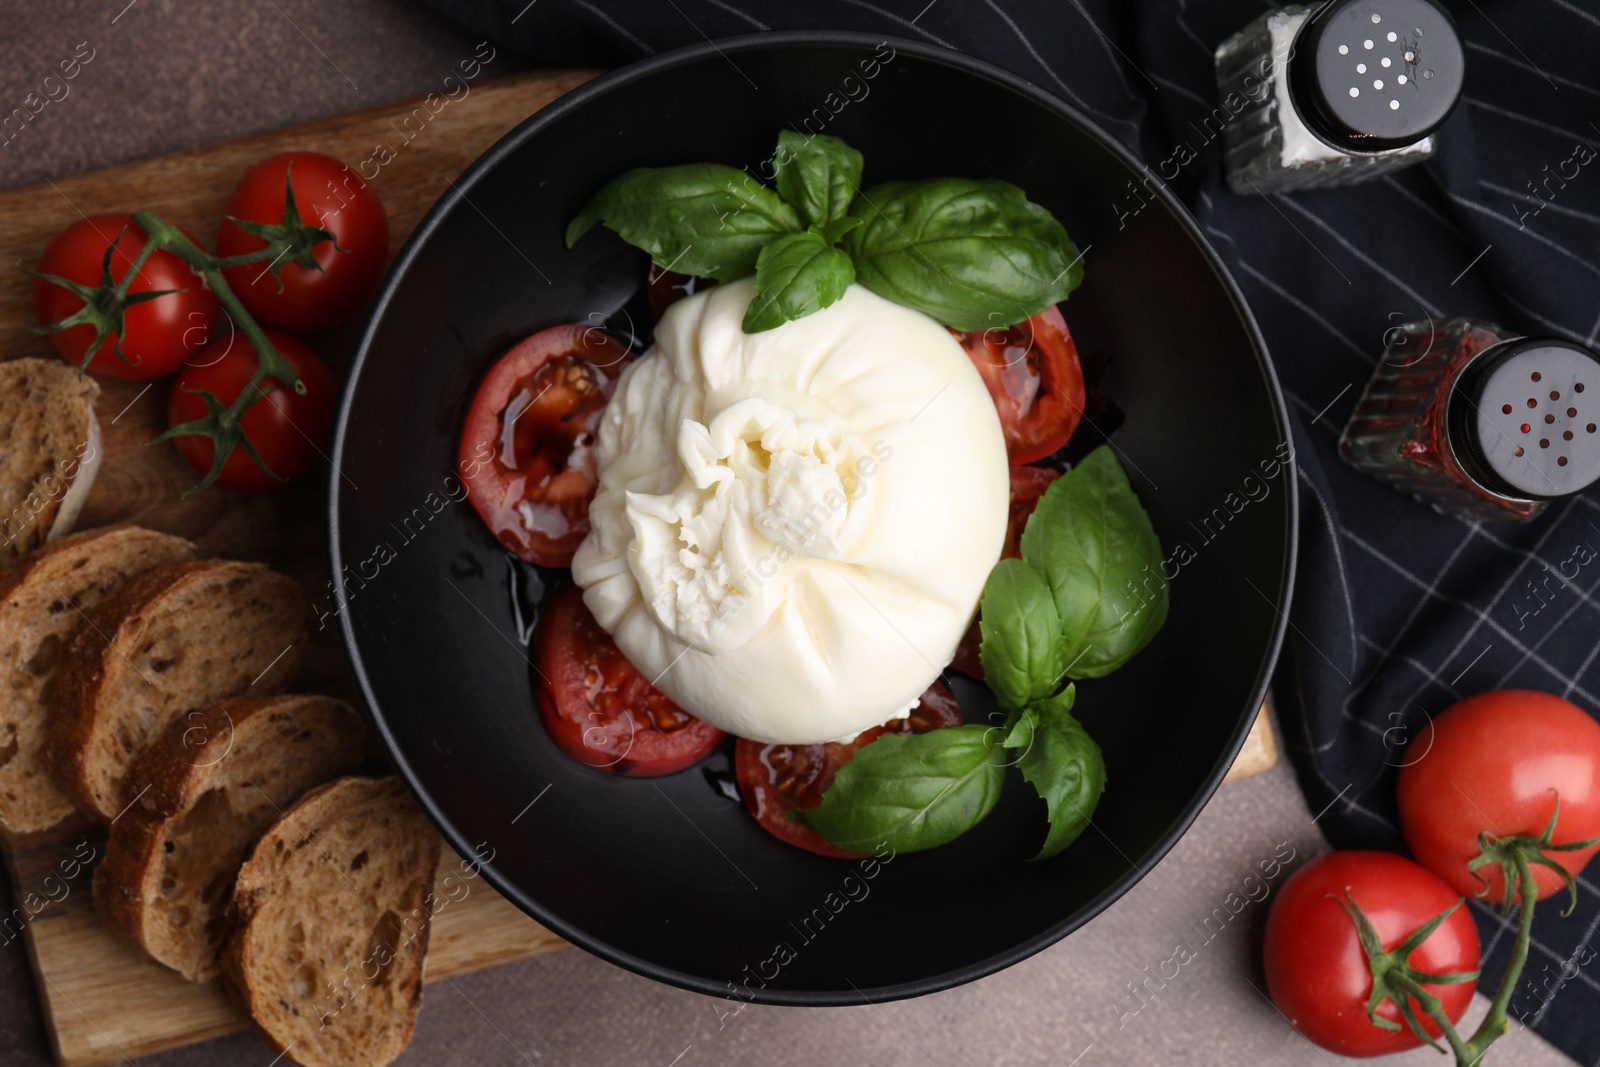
(49, 451)
(170, 641)
(333, 911)
(42, 601)
(219, 777)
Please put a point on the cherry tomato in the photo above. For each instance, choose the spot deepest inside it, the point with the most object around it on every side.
(527, 449)
(601, 711)
(158, 335)
(1318, 975)
(288, 430)
(1033, 375)
(1027, 486)
(667, 287)
(1495, 763)
(328, 195)
(776, 778)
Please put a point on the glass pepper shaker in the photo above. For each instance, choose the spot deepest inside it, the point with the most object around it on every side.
(1335, 93)
(1477, 422)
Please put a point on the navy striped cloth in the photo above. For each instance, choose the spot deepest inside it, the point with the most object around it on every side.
(1398, 611)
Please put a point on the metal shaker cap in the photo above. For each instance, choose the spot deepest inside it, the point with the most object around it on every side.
(1524, 417)
(1372, 75)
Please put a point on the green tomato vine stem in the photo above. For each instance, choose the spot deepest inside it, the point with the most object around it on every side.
(223, 424)
(1433, 1008)
(1495, 1024)
(163, 235)
(139, 261)
(290, 240)
(1399, 982)
(1470, 1052)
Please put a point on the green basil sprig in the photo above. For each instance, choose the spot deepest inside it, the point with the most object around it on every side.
(819, 176)
(973, 254)
(1091, 569)
(1086, 596)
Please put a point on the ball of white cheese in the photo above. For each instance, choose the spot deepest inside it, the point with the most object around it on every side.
(793, 528)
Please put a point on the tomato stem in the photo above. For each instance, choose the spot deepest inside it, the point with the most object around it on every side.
(1530, 849)
(1495, 1024)
(1433, 1008)
(139, 261)
(104, 306)
(1394, 979)
(222, 424)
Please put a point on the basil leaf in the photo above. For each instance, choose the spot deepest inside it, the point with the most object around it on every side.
(1064, 765)
(818, 175)
(1023, 653)
(912, 792)
(796, 274)
(972, 254)
(833, 232)
(704, 219)
(1101, 558)
(1018, 730)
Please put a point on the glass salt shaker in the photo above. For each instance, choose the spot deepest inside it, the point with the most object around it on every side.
(1336, 93)
(1477, 422)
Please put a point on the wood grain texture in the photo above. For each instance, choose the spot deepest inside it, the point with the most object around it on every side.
(102, 1002)
(1260, 751)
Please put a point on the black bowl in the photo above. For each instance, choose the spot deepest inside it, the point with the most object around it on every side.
(670, 877)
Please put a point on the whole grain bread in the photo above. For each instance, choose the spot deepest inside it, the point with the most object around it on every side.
(333, 910)
(219, 778)
(49, 451)
(42, 601)
(169, 642)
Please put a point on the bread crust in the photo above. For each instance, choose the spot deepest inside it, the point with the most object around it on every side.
(77, 692)
(73, 694)
(127, 884)
(72, 569)
(43, 390)
(242, 959)
(131, 851)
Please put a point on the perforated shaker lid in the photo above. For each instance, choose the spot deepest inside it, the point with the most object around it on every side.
(1370, 75)
(1525, 418)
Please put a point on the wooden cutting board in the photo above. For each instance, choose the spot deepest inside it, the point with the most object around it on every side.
(102, 1002)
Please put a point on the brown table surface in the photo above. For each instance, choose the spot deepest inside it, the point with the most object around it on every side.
(168, 75)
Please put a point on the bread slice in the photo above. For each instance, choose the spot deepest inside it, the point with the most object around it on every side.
(49, 451)
(42, 601)
(170, 641)
(219, 777)
(333, 911)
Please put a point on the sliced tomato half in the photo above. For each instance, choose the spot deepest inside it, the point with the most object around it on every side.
(599, 709)
(774, 779)
(1034, 377)
(527, 449)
